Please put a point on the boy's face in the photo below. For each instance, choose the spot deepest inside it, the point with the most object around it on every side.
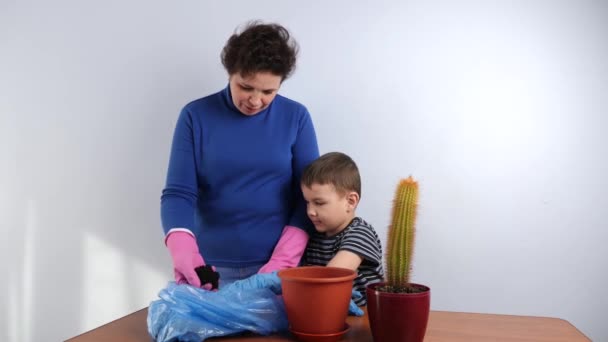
(329, 210)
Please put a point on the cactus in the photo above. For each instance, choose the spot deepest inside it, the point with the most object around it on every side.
(401, 234)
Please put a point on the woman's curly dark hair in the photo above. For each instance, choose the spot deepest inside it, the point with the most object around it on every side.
(261, 48)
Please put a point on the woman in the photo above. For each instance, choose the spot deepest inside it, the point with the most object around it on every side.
(232, 197)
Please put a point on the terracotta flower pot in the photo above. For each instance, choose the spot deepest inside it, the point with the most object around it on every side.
(316, 298)
(398, 316)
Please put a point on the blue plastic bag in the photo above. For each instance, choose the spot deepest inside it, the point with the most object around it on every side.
(187, 313)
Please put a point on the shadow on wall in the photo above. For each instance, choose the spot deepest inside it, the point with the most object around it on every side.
(64, 277)
(18, 259)
(85, 244)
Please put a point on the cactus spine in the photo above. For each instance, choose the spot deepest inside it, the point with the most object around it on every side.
(401, 234)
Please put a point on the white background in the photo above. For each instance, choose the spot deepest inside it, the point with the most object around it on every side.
(498, 108)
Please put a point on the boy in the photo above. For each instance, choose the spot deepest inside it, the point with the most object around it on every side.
(332, 188)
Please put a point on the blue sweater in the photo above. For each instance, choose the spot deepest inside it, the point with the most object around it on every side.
(234, 180)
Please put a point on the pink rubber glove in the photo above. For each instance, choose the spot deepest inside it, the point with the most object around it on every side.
(186, 257)
(288, 251)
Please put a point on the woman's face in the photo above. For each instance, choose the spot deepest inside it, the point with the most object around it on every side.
(253, 93)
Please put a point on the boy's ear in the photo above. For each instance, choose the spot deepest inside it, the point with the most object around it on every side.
(352, 199)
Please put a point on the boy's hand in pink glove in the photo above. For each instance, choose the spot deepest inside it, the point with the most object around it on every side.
(186, 257)
(288, 251)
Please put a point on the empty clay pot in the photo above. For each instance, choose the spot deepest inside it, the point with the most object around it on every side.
(316, 298)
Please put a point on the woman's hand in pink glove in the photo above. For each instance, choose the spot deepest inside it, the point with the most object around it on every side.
(288, 251)
(186, 257)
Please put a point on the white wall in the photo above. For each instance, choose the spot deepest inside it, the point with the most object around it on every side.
(498, 109)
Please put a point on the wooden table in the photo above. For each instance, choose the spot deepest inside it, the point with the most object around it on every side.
(443, 326)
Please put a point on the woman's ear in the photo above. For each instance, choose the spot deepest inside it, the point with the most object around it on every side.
(352, 199)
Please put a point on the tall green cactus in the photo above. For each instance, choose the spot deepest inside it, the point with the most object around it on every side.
(401, 234)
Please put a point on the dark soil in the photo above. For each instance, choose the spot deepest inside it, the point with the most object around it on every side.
(402, 289)
(207, 275)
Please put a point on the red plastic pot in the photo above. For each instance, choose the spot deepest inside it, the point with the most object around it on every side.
(398, 316)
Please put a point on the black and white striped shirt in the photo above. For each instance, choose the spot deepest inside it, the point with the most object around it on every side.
(358, 237)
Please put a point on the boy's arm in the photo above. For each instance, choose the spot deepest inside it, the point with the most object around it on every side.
(346, 259)
(350, 260)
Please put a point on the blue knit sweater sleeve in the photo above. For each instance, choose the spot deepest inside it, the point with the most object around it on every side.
(178, 200)
(305, 150)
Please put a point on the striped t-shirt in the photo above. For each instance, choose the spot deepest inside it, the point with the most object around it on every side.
(358, 237)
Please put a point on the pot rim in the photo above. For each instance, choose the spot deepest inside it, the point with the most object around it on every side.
(290, 274)
(373, 287)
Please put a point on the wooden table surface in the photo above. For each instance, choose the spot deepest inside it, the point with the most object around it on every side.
(443, 326)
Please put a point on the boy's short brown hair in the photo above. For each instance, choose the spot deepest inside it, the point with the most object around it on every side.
(333, 168)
